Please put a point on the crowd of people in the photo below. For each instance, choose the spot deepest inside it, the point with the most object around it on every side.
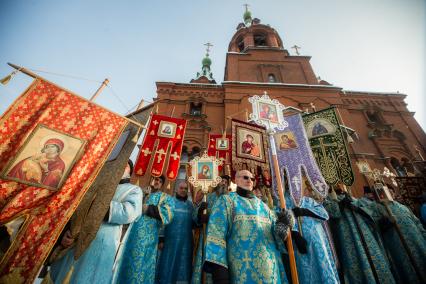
(149, 236)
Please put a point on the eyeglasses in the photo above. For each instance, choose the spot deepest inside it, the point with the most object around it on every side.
(247, 178)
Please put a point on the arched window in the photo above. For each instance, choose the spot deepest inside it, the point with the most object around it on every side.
(271, 78)
(240, 44)
(259, 40)
(195, 108)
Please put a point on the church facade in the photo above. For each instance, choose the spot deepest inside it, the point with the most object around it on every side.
(379, 128)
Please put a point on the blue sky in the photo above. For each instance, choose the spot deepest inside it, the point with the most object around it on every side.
(365, 45)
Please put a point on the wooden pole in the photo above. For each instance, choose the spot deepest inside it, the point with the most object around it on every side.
(99, 90)
(280, 189)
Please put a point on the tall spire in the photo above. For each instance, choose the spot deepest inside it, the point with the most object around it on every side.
(205, 69)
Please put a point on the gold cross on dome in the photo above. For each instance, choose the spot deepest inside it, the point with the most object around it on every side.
(296, 48)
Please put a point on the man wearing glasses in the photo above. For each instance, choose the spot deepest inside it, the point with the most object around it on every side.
(243, 235)
(137, 261)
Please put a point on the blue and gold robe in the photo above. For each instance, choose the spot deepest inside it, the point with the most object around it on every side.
(136, 263)
(176, 256)
(415, 236)
(240, 237)
(197, 273)
(350, 248)
(95, 265)
(317, 265)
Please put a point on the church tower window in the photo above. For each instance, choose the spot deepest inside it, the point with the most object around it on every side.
(271, 78)
(259, 40)
(195, 108)
(240, 44)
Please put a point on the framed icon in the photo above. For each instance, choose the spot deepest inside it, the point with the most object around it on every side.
(167, 129)
(45, 159)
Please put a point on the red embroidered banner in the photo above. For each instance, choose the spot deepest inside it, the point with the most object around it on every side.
(167, 133)
(52, 146)
(221, 148)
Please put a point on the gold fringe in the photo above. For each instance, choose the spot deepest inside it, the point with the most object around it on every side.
(47, 279)
(67, 278)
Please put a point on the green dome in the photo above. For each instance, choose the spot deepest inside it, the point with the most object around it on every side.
(206, 61)
(247, 16)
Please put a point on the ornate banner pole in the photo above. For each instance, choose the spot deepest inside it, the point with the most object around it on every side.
(204, 173)
(269, 113)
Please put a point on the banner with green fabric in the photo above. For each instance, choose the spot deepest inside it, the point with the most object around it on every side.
(329, 147)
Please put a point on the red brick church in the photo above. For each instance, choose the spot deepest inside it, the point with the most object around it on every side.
(379, 127)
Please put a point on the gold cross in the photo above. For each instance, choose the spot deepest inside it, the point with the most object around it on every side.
(180, 127)
(160, 153)
(175, 156)
(322, 144)
(295, 47)
(155, 122)
(146, 151)
(246, 259)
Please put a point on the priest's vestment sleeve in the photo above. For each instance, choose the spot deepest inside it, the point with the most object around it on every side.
(217, 231)
(127, 209)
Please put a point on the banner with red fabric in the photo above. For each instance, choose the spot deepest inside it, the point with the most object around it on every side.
(52, 146)
(220, 147)
(163, 142)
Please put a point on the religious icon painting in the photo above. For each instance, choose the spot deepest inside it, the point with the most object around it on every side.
(204, 172)
(250, 144)
(363, 167)
(45, 159)
(267, 112)
(222, 143)
(285, 140)
(320, 127)
(167, 129)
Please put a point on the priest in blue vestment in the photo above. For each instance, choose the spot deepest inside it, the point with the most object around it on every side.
(314, 258)
(96, 263)
(137, 261)
(358, 240)
(413, 233)
(242, 237)
(201, 216)
(175, 264)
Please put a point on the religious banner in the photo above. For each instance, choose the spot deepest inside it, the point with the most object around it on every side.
(163, 141)
(328, 145)
(249, 144)
(52, 146)
(220, 147)
(204, 172)
(411, 190)
(294, 156)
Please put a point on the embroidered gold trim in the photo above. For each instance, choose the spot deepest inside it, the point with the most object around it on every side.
(217, 241)
(252, 218)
